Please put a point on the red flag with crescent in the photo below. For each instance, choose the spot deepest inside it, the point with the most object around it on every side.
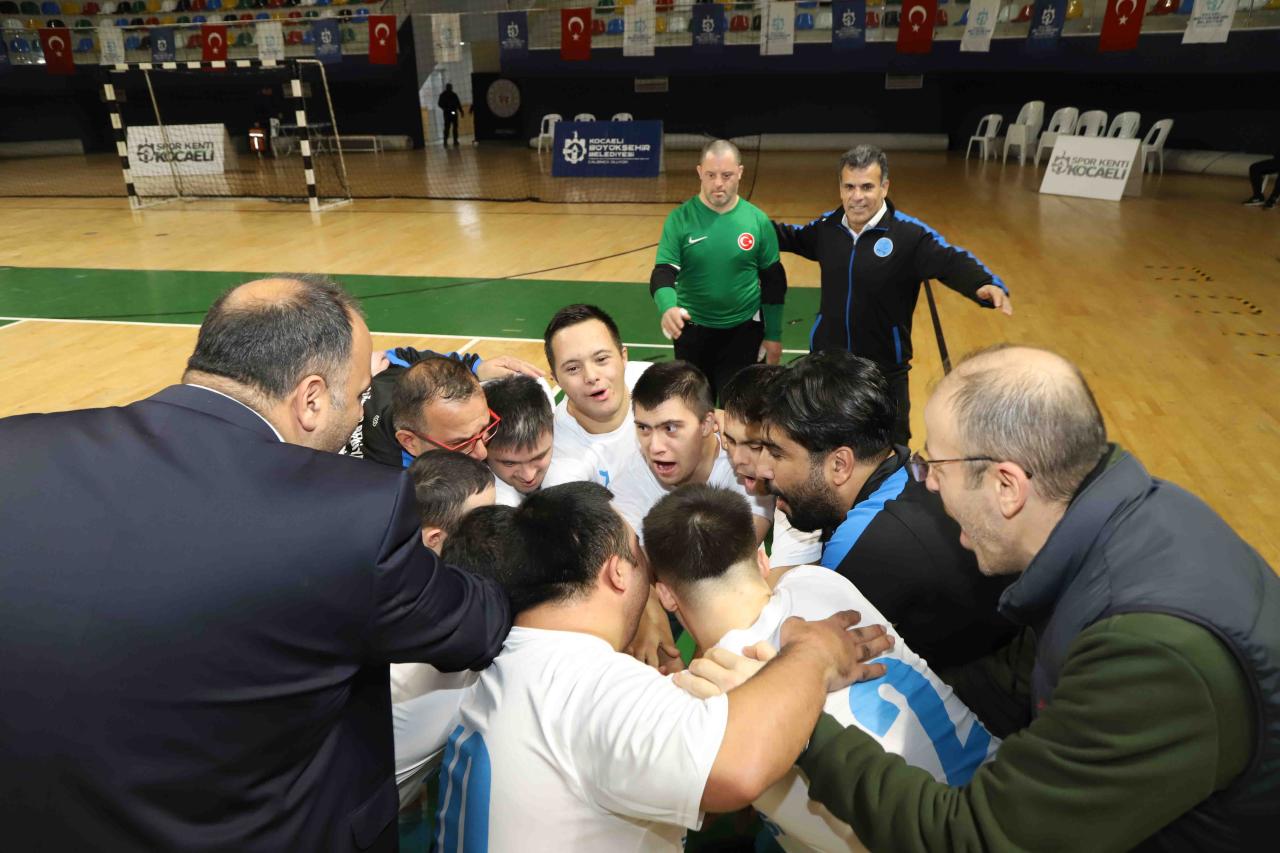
(1121, 25)
(214, 38)
(575, 34)
(915, 26)
(382, 39)
(56, 44)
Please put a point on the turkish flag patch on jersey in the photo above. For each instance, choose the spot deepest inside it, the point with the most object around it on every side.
(746, 241)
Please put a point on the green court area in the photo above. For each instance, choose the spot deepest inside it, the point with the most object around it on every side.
(468, 307)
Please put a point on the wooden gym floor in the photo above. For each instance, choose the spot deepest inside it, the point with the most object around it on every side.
(1168, 302)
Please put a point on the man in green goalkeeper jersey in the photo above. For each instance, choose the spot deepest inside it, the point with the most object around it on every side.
(718, 281)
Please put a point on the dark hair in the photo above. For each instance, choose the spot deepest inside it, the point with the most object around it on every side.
(1049, 425)
(269, 346)
(743, 396)
(567, 532)
(863, 156)
(697, 532)
(486, 543)
(432, 378)
(830, 399)
(572, 315)
(442, 482)
(524, 408)
(666, 380)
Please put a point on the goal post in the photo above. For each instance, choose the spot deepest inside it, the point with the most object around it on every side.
(241, 128)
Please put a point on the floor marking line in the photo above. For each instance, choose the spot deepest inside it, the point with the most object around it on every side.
(12, 324)
(468, 345)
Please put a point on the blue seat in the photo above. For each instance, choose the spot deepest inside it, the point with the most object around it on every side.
(213, 5)
(361, 11)
(199, 19)
(308, 37)
(615, 27)
(122, 22)
(20, 45)
(262, 16)
(48, 7)
(804, 21)
(84, 46)
(133, 43)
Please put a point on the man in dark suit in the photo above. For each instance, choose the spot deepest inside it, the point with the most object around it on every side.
(199, 600)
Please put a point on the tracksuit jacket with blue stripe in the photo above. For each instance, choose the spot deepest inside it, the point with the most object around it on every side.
(869, 291)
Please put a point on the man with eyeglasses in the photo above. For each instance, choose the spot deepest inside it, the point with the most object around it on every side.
(828, 455)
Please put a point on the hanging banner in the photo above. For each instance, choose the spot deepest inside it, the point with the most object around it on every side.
(915, 29)
(1046, 25)
(708, 27)
(270, 39)
(607, 149)
(981, 26)
(324, 31)
(111, 45)
(848, 24)
(1121, 25)
(213, 38)
(446, 37)
(778, 30)
(56, 44)
(575, 34)
(162, 47)
(382, 40)
(1210, 22)
(638, 29)
(513, 34)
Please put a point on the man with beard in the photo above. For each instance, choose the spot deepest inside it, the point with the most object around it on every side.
(828, 456)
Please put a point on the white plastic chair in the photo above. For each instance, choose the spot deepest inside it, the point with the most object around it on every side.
(1154, 143)
(547, 129)
(1063, 122)
(584, 117)
(1125, 126)
(985, 136)
(622, 117)
(823, 20)
(1025, 130)
(1092, 123)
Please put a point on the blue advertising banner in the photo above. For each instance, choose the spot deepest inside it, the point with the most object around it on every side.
(848, 24)
(1046, 25)
(607, 149)
(513, 35)
(707, 26)
(328, 40)
(162, 47)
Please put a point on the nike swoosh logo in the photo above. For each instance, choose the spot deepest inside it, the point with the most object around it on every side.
(699, 240)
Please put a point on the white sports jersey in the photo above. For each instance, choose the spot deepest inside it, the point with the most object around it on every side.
(910, 711)
(635, 489)
(424, 710)
(611, 448)
(793, 547)
(565, 744)
(559, 471)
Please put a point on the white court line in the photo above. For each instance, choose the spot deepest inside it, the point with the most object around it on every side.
(16, 322)
(468, 345)
(471, 341)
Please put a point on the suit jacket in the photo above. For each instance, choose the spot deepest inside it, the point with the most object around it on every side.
(195, 625)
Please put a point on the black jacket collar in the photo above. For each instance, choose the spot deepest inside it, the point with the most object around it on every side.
(216, 405)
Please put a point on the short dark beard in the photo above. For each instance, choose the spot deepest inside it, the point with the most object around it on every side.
(813, 504)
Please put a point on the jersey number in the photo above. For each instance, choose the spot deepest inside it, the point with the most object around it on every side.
(877, 714)
(465, 775)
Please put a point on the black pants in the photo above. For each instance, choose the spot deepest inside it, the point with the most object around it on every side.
(899, 387)
(1261, 169)
(720, 353)
(450, 120)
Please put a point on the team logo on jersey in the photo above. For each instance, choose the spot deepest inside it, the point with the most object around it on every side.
(746, 241)
(883, 247)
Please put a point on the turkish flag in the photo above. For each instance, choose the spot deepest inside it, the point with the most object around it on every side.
(575, 34)
(56, 44)
(915, 26)
(1121, 25)
(214, 39)
(382, 39)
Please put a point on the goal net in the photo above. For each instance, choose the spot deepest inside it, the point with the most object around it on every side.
(252, 131)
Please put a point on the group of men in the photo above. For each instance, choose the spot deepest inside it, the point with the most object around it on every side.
(221, 631)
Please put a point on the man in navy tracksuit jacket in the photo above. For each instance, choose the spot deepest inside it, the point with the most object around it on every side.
(873, 258)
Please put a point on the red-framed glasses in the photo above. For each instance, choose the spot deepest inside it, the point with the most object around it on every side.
(465, 446)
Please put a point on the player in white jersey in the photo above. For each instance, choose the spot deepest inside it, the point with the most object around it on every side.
(741, 431)
(710, 574)
(588, 360)
(565, 743)
(676, 428)
(521, 453)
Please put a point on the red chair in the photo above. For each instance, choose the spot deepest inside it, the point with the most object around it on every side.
(664, 5)
(942, 18)
(1164, 7)
(295, 14)
(598, 27)
(193, 41)
(873, 20)
(293, 37)
(197, 5)
(739, 24)
(1024, 15)
(91, 9)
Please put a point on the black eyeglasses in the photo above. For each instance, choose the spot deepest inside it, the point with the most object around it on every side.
(919, 466)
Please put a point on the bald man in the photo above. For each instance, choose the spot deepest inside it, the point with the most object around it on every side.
(199, 599)
(1154, 697)
(718, 281)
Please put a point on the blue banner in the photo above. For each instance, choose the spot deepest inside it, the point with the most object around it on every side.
(328, 40)
(607, 149)
(162, 47)
(1046, 25)
(848, 24)
(707, 26)
(513, 35)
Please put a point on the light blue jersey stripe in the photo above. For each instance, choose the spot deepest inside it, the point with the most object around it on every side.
(860, 517)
